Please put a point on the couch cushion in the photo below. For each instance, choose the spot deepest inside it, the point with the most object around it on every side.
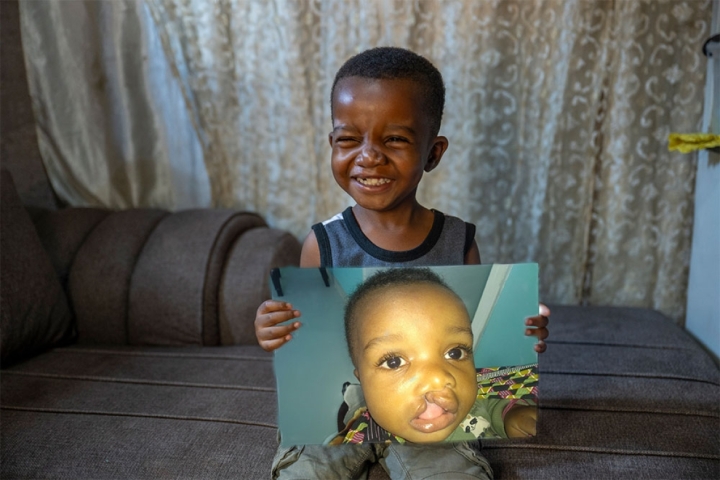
(35, 313)
(624, 393)
(99, 281)
(85, 446)
(140, 412)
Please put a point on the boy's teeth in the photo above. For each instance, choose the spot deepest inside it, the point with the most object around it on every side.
(373, 181)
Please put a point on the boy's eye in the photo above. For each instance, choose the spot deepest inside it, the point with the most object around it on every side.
(457, 353)
(392, 362)
(396, 139)
(345, 140)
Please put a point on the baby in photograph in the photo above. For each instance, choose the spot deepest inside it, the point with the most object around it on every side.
(410, 340)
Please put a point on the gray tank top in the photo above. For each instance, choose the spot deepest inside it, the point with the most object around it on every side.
(343, 244)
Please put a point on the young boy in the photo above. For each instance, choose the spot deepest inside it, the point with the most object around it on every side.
(386, 108)
(410, 340)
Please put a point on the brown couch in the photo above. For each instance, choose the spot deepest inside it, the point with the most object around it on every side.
(128, 352)
(128, 347)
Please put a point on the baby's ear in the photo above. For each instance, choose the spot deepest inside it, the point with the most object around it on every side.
(356, 374)
(440, 144)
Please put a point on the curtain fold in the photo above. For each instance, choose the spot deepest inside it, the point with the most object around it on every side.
(557, 113)
(112, 130)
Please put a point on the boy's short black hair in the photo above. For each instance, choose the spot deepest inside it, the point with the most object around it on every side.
(392, 277)
(399, 63)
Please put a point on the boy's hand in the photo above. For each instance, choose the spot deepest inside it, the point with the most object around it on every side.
(269, 334)
(521, 421)
(539, 327)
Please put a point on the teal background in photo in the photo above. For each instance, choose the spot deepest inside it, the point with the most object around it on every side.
(311, 369)
(504, 342)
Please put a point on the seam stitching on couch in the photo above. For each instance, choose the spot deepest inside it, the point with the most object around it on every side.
(206, 278)
(82, 242)
(613, 451)
(92, 378)
(138, 415)
(628, 375)
(630, 410)
(161, 354)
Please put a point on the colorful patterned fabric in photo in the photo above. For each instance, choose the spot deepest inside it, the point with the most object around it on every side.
(518, 383)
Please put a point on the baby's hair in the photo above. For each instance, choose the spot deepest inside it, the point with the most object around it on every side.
(381, 281)
(383, 63)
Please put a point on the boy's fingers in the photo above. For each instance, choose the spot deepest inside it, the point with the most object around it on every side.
(540, 333)
(269, 314)
(270, 345)
(539, 330)
(269, 306)
(274, 333)
(273, 318)
(539, 321)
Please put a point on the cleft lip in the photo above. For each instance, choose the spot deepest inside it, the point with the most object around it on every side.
(433, 424)
(445, 399)
(443, 412)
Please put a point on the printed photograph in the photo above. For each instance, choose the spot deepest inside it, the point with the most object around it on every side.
(396, 355)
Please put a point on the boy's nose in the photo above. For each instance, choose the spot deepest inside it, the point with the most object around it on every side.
(436, 377)
(369, 156)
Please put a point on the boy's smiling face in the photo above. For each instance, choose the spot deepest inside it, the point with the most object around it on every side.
(382, 141)
(413, 345)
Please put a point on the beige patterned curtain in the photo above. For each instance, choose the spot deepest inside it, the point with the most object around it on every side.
(557, 115)
(112, 126)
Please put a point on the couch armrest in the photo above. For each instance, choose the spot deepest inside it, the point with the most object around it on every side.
(150, 277)
(247, 262)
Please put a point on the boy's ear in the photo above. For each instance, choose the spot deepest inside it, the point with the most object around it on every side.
(439, 145)
(330, 139)
(356, 374)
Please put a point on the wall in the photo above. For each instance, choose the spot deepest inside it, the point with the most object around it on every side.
(703, 308)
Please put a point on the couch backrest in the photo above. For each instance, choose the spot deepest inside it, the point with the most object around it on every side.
(152, 277)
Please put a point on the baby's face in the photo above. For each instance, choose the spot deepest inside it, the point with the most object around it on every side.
(414, 361)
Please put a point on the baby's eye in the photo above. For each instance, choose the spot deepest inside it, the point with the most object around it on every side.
(392, 363)
(396, 139)
(457, 353)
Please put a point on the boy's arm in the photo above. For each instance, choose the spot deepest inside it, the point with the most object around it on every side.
(269, 334)
(508, 418)
(521, 421)
(472, 257)
(310, 255)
